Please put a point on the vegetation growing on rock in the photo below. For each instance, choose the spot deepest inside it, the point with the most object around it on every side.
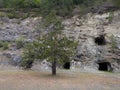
(61, 7)
(53, 46)
(52, 13)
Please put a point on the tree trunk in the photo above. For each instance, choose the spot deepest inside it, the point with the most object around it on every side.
(54, 68)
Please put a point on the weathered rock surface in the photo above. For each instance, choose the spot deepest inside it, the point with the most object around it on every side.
(96, 29)
(11, 29)
(93, 31)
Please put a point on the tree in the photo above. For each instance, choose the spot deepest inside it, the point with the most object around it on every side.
(53, 46)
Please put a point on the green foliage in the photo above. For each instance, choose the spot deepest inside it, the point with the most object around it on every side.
(88, 2)
(29, 54)
(62, 7)
(113, 43)
(51, 4)
(19, 43)
(25, 15)
(12, 15)
(98, 2)
(50, 48)
(3, 45)
(20, 3)
(77, 2)
(52, 20)
(26, 63)
(31, 3)
(53, 46)
(15, 14)
(111, 16)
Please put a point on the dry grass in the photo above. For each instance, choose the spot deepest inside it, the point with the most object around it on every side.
(31, 80)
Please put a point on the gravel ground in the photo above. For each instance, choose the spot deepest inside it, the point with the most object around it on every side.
(65, 80)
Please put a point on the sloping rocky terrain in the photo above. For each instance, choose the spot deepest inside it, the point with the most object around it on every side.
(95, 33)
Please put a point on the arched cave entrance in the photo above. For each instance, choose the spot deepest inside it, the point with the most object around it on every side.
(104, 66)
(100, 40)
(66, 65)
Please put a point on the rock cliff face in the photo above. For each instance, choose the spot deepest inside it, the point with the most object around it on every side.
(11, 29)
(96, 35)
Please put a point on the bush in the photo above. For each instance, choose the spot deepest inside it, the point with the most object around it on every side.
(4, 45)
(19, 43)
(27, 56)
(25, 15)
(12, 14)
(26, 64)
(111, 16)
(20, 3)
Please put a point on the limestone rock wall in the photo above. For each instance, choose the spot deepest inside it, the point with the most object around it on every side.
(11, 29)
(88, 30)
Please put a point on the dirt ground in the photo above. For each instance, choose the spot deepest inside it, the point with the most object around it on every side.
(65, 80)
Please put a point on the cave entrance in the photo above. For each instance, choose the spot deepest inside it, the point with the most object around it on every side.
(66, 65)
(100, 40)
(104, 66)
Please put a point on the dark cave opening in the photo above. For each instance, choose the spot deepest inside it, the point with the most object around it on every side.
(66, 65)
(100, 40)
(104, 66)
